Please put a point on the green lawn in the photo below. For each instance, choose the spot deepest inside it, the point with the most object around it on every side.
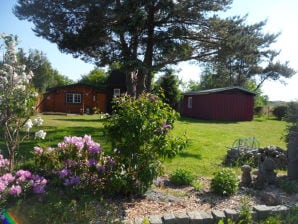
(208, 140)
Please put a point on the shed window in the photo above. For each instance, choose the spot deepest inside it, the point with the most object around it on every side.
(73, 98)
(189, 102)
(116, 92)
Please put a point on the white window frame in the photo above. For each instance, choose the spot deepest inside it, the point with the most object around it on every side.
(189, 102)
(116, 92)
(75, 98)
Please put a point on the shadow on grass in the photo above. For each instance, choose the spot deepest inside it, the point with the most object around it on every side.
(78, 120)
(64, 207)
(189, 155)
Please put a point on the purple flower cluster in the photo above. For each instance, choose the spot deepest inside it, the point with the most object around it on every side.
(14, 183)
(80, 160)
(72, 180)
(164, 127)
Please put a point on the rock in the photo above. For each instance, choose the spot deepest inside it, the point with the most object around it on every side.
(270, 198)
(246, 176)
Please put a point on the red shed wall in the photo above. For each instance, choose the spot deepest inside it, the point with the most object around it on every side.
(90, 98)
(220, 106)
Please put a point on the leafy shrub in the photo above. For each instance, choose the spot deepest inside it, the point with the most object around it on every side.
(77, 163)
(19, 183)
(198, 185)
(139, 130)
(245, 211)
(258, 111)
(280, 112)
(182, 177)
(289, 186)
(224, 182)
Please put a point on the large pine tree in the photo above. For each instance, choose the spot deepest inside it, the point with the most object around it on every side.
(144, 36)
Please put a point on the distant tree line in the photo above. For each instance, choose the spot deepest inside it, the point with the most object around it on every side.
(45, 76)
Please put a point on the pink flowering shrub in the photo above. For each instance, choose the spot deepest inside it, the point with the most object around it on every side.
(78, 163)
(19, 183)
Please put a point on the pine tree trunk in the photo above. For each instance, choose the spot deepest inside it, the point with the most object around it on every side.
(141, 78)
(130, 84)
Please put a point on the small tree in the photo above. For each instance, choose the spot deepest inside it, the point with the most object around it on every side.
(17, 98)
(140, 133)
(169, 84)
(280, 111)
(96, 77)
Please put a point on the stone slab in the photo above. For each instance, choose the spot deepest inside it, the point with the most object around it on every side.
(155, 219)
(207, 217)
(195, 217)
(232, 214)
(218, 215)
(182, 218)
(169, 219)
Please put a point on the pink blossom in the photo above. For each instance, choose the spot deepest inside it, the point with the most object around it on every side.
(7, 178)
(24, 173)
(3, 186)
(15, 190)
(87, 138)
(38, 150)
(3, 162)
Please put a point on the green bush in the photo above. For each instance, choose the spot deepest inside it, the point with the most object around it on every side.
(182, 177)
(224, 182)
(280, 112)
(258, 110)
(140, 132)
(289, 186)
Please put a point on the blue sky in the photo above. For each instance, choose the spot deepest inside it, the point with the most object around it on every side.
(281, 17)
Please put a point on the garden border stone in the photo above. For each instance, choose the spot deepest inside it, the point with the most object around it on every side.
(260, 212)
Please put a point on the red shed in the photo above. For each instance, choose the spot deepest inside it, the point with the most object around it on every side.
(231, 104)
(75, 98)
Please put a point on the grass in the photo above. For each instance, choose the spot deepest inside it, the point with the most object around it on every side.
(58, 126)
(208, 140)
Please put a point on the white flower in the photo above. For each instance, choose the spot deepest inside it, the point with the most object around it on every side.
(28, 125)
(38, 121)
(40, 134)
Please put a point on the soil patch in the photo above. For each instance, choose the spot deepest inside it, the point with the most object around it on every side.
(164, 198)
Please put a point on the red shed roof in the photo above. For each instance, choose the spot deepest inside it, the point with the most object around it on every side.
(219, 90)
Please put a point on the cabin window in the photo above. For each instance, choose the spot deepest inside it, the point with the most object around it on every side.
(116, 92)
(189, 102)
(73, 98)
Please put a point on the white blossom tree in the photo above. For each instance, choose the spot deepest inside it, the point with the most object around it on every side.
(17, 98)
